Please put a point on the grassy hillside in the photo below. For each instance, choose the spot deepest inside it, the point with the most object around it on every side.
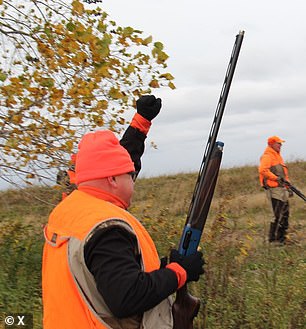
(249, 283)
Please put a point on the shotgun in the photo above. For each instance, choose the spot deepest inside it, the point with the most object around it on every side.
(186, 307)
(295, 190)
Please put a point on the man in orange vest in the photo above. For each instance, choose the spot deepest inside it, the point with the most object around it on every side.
(272, 173)
(100, 265)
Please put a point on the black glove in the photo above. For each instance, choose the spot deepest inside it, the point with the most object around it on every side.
(192, 264)
(290, 193)
(148, 106)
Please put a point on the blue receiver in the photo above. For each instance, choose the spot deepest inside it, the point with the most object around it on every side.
(190, 241)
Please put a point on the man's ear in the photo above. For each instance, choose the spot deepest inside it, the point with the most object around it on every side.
(112, 181)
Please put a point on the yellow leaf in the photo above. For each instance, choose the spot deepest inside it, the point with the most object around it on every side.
(147, 40)
(154, 84)
(86, 102)
(98, 120)
(103, 105)
(60, 130)
(78, 7)
(47, 82)
(57, 94)
(103, 71)
(243, 251)
(17, 118)
(162, 57)
(159, 45)
(127, 31)
(115, 93)
(12, 143)
(171, 85)
(129, 69)
(69, 145)
(167, 76)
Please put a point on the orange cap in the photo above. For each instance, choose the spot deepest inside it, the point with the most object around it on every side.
(274, 139)
(101, 155)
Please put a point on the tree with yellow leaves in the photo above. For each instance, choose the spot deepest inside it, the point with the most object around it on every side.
(65, 69)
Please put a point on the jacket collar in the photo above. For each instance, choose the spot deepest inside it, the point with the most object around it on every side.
(103, 195)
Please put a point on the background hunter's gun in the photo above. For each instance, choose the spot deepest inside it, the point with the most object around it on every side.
(186, 307)
(294, 189)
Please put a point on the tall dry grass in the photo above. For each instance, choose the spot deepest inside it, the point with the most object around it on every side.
(248, 283)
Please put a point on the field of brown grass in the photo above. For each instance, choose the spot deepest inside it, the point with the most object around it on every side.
(248, 284)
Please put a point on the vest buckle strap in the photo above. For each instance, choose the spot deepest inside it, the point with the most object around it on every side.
(55, 240)
(54, 237)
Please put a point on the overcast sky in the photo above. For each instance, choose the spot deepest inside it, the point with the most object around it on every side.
(268, 92)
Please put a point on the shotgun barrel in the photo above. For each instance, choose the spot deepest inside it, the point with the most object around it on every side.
(186, 307)
(295, 190)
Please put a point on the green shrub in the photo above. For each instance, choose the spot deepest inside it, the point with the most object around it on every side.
(20, 276)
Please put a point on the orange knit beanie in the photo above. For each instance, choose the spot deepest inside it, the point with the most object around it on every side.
(101, 155)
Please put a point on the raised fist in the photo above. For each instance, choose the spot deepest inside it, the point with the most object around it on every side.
(148, 106)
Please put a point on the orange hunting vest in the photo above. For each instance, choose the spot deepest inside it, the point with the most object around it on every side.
(70, 298)
(271, 166)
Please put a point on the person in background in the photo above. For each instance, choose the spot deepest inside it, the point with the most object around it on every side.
(133, 140)
(100, 267)
(272, 174)
(66, 178)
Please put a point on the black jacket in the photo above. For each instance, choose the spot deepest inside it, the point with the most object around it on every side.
(127, 290)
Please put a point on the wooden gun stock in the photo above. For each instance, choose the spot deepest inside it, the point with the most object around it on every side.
(185, 309)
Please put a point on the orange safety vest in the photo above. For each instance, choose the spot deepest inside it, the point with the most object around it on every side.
(71, 224)
(271, 166)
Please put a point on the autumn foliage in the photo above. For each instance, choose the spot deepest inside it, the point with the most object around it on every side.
(65, 69)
